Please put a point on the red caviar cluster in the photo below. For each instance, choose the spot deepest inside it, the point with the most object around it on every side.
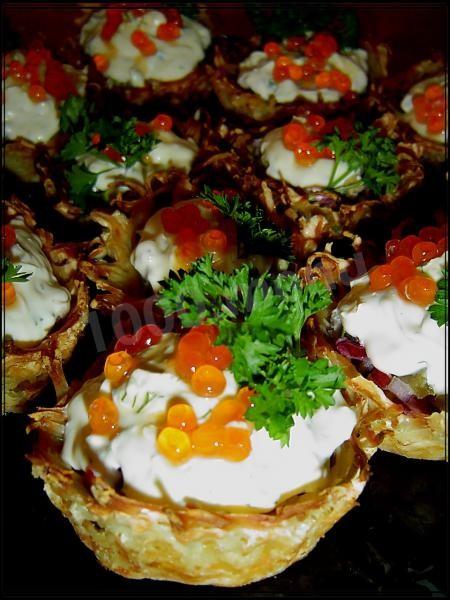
(168, 32)
(301, 138)
(41, 73)
(318, 50)
(199, 229)
(403, 259)
(430, 108)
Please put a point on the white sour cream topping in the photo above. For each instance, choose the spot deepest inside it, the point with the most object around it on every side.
(408, 108)
(23, 118)
(171, 152)
(256, 74)
(269, 474)
(281, 164)
(400, 337)
(155, 255)
(173, 60)
(41, 301)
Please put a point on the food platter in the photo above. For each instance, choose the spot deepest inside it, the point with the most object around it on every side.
(212, 187)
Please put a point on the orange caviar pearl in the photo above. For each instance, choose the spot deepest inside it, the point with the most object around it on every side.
(323, 80)
(245, 394)
(283, 61)
(407, 244)
(424, 252)
(229, 409)
(37, 93)
(305, 154)
(9, 294)
(401, 268)
(182, 416)
(118, 366)
(168, 32)
(434, 91)
(103, 416)
(187, 362)
(436, 124)
(212, 331)
(295, 72)
(380, 278)
(143, 43)
(207, 439)
(272, 49)
(419, 289)
(236, 444)
(220, 357)
(442, 246)
(208, 381)
(162, 122)
(280, 73)
(174, 444)
(294, 134)
(101, 62)
(195, 340)
(214, 240)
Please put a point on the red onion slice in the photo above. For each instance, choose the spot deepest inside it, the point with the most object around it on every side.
(350, 349)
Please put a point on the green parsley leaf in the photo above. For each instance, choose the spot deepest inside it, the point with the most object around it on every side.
(12, 273)
(374, 156)
(81, 181)
(260, 318)
(73, 112)
(438, 310)
(282, 20)
(256, 233)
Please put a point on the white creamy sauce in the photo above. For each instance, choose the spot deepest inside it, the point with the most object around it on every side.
(400, 337)
(170, 152)
(155, 255)
(281, 164)
(41, 301)
(173, 60)
(256, 74)
(270, 473)
(23, 118)
(407, 107)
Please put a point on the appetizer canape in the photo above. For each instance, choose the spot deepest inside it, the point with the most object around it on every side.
(147, 54)
(107, 157)
(390, 334)
(415, 108)
(217, 457)
(35, 87)
(298, 74)
(173, 238)
(45, 305)
(326, 176)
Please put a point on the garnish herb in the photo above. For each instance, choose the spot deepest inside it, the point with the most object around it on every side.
(260, 318)
(89, 136)
(374, 156)
(12, 273)
(281, 20)
(438, 310)
(256, 232)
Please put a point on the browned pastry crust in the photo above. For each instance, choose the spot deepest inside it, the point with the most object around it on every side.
(138, 539)
(28, 370)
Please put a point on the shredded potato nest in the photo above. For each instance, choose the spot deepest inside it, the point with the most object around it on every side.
(413, 436)
(252, 107)
(28, 370)
(386, 96)
(198, 545)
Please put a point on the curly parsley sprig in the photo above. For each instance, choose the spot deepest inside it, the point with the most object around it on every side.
(256, 233)
(260, 318)
(12, 273)
(439, 309)
(366, 152)
(88, 134)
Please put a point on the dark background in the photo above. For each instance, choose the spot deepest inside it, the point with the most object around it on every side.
(393, 544)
